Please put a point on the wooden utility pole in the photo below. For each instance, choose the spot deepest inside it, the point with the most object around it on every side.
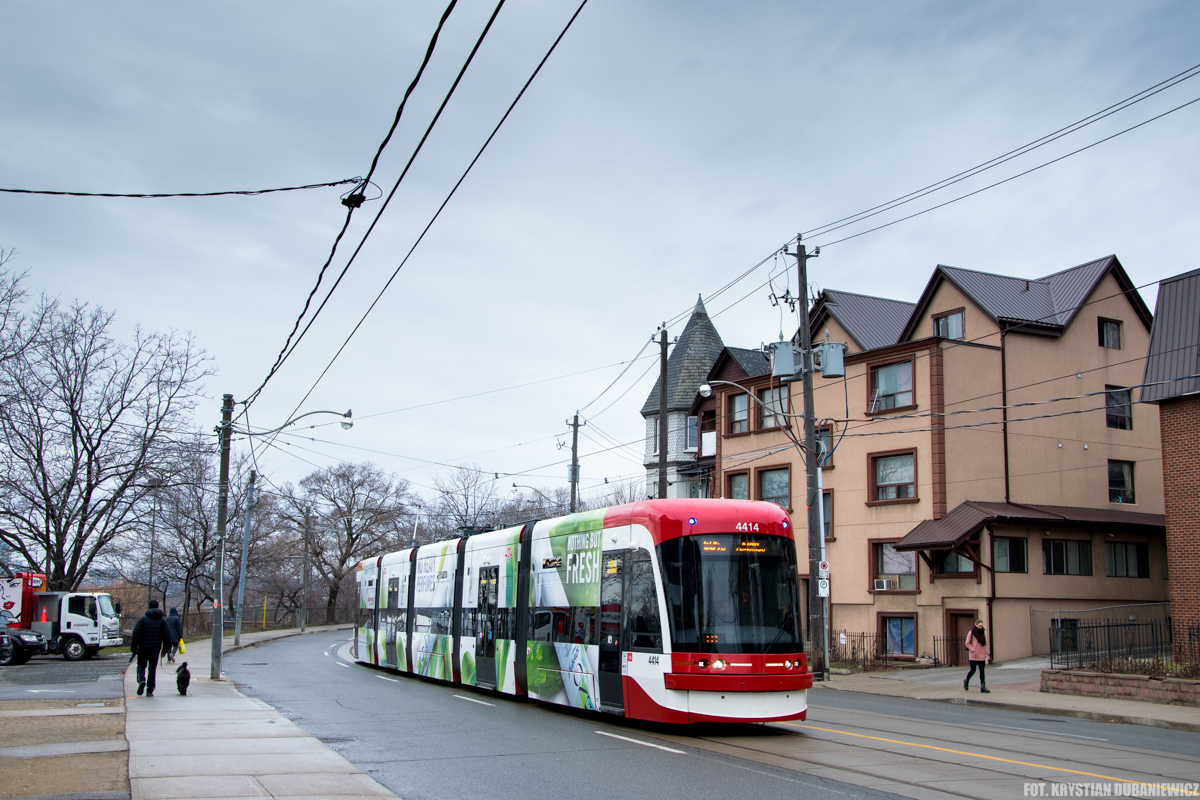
(218, 619)
(662, 414)
(812, 500)
(574, 461)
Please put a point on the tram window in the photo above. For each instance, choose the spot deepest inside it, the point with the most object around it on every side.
(561, 625)
(644, 624)
(540, 620)
(393, 600)
(468, 622)
(583, 625)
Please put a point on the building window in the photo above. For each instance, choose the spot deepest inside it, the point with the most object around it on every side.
(948, 562)
(708, 432)
(739, 486)
(773, 487)
(825, 447)
(1109, 331)
(654, 452)
(1120, 482)
(1118, 408)
(739, 413)
(894, 571)
(901, 635)
(892, 386)
(693, 434)
(949, 326)
(1008, 554)
(772, 407)
(1066, 557)
(1127, 559)
(696, 489)
(893, 477)
(827, 513)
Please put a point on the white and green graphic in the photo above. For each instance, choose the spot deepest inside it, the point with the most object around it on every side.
(433, 605)
(566, 561)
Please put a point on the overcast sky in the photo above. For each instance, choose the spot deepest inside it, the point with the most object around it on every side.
(665, 148)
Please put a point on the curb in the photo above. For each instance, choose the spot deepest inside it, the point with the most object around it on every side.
(1096, 716)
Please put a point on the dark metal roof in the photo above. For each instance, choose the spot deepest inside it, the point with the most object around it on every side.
(871, 321)
(688, 364)
(1174, 340)
(968, 518)
(1049, 303)
(753, 362)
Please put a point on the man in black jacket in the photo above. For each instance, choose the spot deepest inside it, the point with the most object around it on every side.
(174, 633)
(150, 640)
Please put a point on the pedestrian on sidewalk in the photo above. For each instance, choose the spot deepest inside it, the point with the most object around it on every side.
(175, 633)
(977, 652)
(149, 643)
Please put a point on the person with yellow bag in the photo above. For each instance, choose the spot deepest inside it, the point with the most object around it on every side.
(174, 633)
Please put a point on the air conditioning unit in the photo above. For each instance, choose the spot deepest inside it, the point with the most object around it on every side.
(883, 584)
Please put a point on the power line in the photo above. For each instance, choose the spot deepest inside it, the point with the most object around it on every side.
(437, 213)
(1138, 97)
(1011, 178)
(352, 203)
(243, 192)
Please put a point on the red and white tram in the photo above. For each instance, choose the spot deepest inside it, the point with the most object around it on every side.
(676, 611)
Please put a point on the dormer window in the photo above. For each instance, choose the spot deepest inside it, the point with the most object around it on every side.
(1109, 331)
(949, 325)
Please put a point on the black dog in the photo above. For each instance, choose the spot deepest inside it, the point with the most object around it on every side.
(182, 678)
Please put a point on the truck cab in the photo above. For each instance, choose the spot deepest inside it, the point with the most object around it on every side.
(77, 624)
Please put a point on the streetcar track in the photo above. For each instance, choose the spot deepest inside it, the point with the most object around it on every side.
(1116, 749)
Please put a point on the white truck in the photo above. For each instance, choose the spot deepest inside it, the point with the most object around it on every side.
(74, 624)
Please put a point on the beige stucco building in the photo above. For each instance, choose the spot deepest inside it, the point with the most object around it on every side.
(983, 455)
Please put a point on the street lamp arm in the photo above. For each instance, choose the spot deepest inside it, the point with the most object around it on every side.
(544, 497)
(347, 422)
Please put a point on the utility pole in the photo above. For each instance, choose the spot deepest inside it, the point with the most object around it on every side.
(662, 414)
(574, 461)
(237, 627)
(816, 604)
(304, 573)
(218, 620)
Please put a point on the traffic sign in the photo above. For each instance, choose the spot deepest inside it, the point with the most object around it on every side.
(823, 587)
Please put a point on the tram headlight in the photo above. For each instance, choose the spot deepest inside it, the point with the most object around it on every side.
(702, 663)
(718, 664)
(787, 665)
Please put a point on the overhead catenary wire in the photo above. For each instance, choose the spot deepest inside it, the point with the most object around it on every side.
(445, 202)
(351, 207)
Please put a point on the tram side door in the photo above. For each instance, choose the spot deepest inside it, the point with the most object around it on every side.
(485, 641)
(612, 611)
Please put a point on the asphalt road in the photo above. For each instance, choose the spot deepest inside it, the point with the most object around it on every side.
(54, 676)
(425, 740)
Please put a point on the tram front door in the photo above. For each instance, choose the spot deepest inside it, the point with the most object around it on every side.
(485, 637)
(612, 591)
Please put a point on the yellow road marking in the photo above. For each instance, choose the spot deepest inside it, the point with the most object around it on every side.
(991, 758)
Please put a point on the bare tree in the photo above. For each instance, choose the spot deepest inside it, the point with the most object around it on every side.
(357, 510)
(467, 498)
(87, 420)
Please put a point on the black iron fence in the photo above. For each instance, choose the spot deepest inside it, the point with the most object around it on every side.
(949, 651)
(1137, 648)
(867, 651)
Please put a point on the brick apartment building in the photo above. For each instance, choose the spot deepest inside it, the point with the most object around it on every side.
(987, 457)
(1171, 382)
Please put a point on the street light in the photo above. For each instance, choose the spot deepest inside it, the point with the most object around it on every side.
(554, 503)
(224, 433)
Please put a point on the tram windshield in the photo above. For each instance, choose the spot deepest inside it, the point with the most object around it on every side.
(732, 593)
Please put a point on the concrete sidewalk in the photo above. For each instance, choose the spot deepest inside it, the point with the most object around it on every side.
(1013, 686)
(218, 743)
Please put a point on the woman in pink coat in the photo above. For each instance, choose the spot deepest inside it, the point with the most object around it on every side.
(977, 652)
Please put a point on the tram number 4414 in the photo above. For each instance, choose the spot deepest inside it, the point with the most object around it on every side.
(746, 527)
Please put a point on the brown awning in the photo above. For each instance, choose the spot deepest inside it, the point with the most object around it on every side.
(971, 517)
